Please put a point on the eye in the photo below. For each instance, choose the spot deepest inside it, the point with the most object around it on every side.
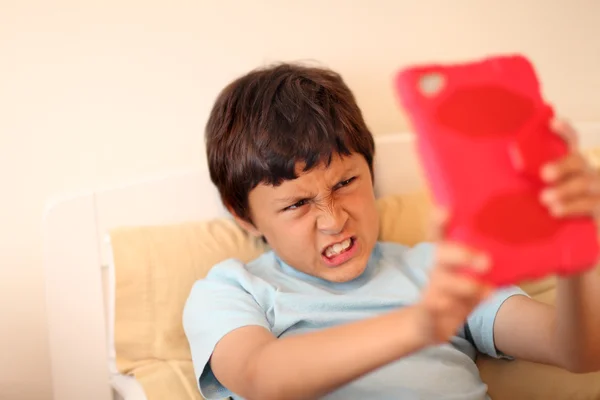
(296, 205)
(344, 183)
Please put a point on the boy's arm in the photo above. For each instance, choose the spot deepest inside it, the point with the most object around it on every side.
(251, 362)
(578, 320)
(566, 335)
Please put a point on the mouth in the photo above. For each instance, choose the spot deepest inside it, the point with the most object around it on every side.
(338, 253)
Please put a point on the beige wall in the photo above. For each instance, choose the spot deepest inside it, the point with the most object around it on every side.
(99, 93)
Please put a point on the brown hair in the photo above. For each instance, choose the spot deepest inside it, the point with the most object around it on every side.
(265, 122)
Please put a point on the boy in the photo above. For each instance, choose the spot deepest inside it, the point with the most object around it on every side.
(330, 312)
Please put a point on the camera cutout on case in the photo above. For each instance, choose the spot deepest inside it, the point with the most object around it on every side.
(431, 84)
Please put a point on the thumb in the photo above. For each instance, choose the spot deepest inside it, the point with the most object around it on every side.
(566, 131)
(438, 223)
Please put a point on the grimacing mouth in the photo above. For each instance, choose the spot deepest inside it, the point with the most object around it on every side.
(329, 249)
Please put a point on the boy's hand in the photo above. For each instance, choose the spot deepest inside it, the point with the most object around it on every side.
(573, 186)
(452, 294)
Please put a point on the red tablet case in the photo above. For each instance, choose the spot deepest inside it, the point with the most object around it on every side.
(483, 135)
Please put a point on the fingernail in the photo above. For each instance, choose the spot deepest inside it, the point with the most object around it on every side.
(556, 210)
(547, 172)
(481, 263)
(546, 196)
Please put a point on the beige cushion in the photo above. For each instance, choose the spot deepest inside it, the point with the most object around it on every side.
(404, 219)
(168, 379)
(155, 268)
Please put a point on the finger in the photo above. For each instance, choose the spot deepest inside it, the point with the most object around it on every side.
(566, 166)
(584, 206)
(452, 255)
(581, 185)
(446, 305)
(565, 131)
(461, 287)
(486, 292)
(438, 223)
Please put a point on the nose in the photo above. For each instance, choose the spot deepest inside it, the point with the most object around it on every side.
(332, 220)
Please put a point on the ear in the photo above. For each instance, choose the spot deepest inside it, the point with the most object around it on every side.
(245, 224)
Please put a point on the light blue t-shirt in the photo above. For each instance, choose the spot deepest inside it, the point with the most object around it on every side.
(269, 293)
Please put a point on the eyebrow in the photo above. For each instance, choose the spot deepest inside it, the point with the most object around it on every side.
(346, 174)
(293, 199)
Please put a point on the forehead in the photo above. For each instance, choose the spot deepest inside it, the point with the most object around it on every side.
(337, 164)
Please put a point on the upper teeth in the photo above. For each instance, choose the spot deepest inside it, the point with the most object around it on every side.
(337, 248)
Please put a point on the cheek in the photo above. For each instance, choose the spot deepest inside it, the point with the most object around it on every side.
(290, 234)
(362, 206)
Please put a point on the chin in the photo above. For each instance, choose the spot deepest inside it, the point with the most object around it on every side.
(342, 279)
(345, 273)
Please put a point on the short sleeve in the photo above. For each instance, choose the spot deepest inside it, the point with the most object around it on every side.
(481, 321)
(217, 305)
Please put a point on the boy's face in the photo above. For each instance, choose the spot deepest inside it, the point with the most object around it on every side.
(324, 223)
